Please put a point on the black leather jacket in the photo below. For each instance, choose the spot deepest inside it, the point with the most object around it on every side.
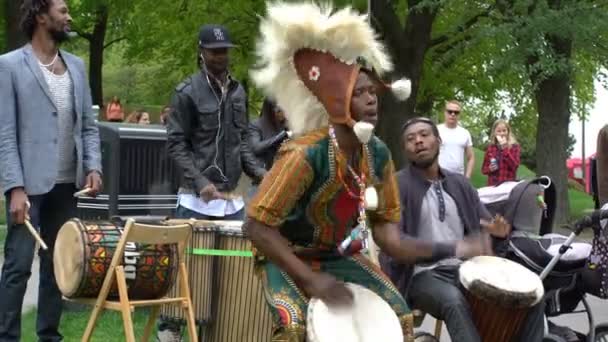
(264, 140)
(205, 131)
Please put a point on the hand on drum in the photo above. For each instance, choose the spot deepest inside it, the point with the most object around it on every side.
(327, 288)
(499, 228)
(471, 246)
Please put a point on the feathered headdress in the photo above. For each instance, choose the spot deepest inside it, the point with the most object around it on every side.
(310, 58)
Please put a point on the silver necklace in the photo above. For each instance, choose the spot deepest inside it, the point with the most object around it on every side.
(52, 62)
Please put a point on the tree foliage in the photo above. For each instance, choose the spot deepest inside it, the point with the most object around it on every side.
(534, 61)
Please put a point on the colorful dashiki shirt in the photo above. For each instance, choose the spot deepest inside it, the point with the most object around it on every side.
(304, 198)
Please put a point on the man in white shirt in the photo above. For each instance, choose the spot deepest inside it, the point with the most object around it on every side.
(457, 144)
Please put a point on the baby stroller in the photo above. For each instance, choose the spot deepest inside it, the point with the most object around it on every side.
(570, 270)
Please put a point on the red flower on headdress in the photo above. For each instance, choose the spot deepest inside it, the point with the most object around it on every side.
(314, 73)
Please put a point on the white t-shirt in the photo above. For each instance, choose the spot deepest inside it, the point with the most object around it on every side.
(452, 152)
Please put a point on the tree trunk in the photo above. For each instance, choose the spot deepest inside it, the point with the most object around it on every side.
(408, 48)
(552, 96)
(14, 37)
(96, 47)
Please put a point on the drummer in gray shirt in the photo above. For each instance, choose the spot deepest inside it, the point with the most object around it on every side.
(442, 206)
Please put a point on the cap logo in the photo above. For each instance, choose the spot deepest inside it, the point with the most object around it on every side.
(219, 35)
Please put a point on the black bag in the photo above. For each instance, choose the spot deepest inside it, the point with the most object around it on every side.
(595, 273)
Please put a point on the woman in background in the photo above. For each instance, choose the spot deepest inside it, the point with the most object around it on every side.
(267, 133)
(114, 110)
(139, 117)
(164, 114)
(502, 156)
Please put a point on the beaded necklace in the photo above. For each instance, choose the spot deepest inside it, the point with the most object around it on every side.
(358, 238)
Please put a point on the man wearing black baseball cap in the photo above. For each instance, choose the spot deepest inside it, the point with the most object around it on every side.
(214, 44)
(214, 37)
(205, 130)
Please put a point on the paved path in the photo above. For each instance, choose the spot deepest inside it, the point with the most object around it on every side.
(575, 321)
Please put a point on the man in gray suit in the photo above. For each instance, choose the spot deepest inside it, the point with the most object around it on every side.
(49, 147)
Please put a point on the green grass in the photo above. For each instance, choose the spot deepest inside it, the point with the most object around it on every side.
(580, 202)
(109, 327)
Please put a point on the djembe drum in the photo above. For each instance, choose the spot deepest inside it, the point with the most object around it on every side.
(500, 293)
(241, 312)
(200, 270)
(84, 251)
(227, 296)
(369, 319)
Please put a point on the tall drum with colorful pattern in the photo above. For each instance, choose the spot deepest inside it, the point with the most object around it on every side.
(84, 251)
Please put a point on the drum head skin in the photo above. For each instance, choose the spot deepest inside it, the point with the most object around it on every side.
(68, 258)
(370, 319)
(501, 281)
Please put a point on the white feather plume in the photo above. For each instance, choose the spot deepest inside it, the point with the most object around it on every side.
(363, 130)
(402, 89)
(288, 27)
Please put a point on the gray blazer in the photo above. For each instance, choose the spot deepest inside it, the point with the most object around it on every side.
(29, 124)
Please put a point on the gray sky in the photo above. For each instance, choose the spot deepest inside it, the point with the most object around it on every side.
(597, 119)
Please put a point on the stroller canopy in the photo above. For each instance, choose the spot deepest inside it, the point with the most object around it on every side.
(520, 204)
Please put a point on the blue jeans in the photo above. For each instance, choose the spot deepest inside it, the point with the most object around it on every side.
(48, 212)
(185, 213)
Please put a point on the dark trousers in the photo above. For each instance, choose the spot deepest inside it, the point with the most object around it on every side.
(185, 213)
(48, 213)
(437, 293)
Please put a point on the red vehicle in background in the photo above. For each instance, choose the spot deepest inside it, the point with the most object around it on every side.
(575, 171)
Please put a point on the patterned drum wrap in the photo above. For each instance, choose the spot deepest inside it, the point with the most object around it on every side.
(200, 268)
(227, 295)
(84, 251)
(240, 311)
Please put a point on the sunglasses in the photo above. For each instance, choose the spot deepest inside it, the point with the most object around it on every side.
(452, 112)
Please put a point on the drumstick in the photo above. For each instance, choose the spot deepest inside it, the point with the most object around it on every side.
(33, 230)
(35, 234)
(82, 192)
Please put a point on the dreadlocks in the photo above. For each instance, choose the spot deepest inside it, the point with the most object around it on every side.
(29, 10)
